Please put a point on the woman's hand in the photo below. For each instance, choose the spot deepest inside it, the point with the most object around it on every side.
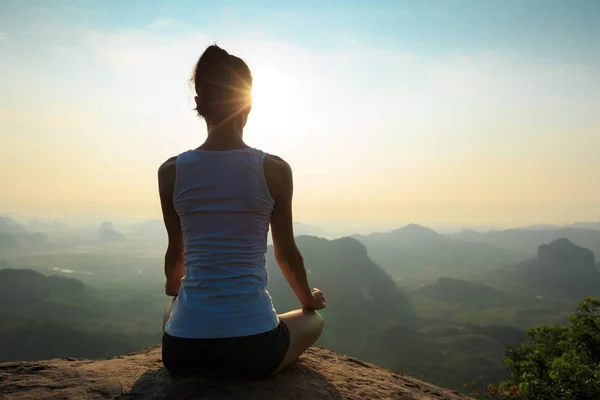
(316, 301)
(172, 287)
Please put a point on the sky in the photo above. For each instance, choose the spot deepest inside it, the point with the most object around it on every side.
(389, 112)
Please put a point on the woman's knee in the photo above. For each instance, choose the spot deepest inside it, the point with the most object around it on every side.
(304, 322)
(320, 321)
(317, 330)
(317, 323)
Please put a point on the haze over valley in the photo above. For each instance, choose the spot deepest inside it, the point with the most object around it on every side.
(441, 307)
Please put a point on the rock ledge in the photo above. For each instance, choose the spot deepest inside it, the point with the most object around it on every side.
(319, 374)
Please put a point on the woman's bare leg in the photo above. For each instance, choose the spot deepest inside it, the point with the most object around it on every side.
(305, 328)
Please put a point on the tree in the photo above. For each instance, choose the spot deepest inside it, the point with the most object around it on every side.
(559, 362)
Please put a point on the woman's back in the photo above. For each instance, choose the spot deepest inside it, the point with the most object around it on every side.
(217, 203)
(224, 207)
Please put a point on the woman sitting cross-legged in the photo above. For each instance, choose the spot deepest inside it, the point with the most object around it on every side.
(218, 201)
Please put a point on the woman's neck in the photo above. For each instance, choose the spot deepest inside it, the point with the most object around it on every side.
(223, 138)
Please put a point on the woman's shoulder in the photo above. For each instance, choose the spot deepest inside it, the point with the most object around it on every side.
(167, 169)
(170, 165)
(276, 162)
(278, 175)
(276, 166)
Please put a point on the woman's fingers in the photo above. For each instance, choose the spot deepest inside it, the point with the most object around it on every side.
(319, 294)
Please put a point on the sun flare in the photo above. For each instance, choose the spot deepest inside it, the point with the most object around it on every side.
(275, 96)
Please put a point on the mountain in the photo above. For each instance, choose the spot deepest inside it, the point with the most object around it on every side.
(587, 225)
(9, 225)
(416, 254)
(13, 235)
(8, 241)
(361, 296)
(29, 294)
(410, 232)
(562, 267)
(319, 374)
(528, 240)
(29, 283)
(584, 225)
(457, 290)
(106, 226)
(53, 316)
(301, 229)
(108, 234)
(540, 227)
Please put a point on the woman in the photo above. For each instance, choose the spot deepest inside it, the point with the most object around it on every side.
(217, 203)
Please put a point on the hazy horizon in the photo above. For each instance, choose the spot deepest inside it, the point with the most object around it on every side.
(456, 113)
(323, 229)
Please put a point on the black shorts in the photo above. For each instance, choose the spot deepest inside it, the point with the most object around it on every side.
(253, 356)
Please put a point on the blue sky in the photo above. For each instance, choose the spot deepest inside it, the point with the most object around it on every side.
(544, 28)
(389, 111)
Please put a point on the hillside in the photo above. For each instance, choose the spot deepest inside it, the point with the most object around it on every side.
(528, 240)
(8, 241)
(108, 234)
(458, 290)
(361, 296)
(319, 374)
(53, 316)
(26, 294)
(562, 267)
(415, 254)
(9, 225)
(447, 355)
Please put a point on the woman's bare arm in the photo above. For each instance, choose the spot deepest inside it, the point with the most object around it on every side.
(280, 183)
(174, 258)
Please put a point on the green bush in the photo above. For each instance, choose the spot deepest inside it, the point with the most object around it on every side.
(557, 362)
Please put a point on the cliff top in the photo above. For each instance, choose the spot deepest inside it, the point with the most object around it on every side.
(319, 374)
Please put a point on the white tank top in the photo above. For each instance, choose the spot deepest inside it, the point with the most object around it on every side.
(224, 207)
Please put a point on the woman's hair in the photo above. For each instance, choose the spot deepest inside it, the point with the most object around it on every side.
(223, 84)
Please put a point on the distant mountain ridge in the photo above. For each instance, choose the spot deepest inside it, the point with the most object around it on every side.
(528, 240)
(413, 231)
(9, 225)
(595, 225)
(108, 234)
(418, 250)
(301, 229)
(560, 269)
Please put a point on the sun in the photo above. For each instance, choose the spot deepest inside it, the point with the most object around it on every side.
(275, 96)
(279, 103)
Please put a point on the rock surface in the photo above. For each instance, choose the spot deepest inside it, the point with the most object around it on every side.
(319, 374)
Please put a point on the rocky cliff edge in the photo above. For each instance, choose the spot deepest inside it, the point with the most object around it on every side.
(319, 374)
